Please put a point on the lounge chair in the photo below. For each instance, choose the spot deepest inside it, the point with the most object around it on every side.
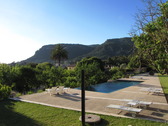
(61, 90)
(66, 89)
(52, 90)
(153, 90)
(136, 77)
(48, 90)
(139, 103)
(133, 111)
(157, 91)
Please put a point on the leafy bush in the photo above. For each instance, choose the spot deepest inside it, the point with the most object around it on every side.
(71, 82)
(114, 70)
(93, 73)
(151, 72)
(39, 91)
(123, 66)
(30, 92)
(4, 91)
(116, 73)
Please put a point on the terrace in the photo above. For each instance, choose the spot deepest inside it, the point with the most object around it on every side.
(97, 102)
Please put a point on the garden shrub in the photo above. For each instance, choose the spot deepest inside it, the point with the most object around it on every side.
(39, 91)
(114, 70)
(117, 73)
(30, 92)
(71, 82)
(4, 91)
(151, 72)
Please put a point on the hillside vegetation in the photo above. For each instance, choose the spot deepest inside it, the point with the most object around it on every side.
(113, 47)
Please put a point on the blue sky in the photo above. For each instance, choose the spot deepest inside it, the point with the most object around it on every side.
(26, 25)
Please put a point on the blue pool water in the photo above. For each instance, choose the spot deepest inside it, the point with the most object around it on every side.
(109, 87)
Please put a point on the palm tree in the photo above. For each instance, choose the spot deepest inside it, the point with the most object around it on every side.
(59, 53)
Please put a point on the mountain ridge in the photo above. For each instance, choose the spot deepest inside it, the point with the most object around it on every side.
(111, 47)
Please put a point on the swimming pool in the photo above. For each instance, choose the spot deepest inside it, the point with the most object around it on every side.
(109, 87)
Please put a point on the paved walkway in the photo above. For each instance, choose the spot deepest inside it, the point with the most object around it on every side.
(97, 102)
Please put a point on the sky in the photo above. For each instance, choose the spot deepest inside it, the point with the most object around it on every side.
(27, 25)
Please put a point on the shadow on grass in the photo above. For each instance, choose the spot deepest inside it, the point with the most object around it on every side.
(8, 117)
(166, 95)
(103, 122)
(162, 75)
(158, 116)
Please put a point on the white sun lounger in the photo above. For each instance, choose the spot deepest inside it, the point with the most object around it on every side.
(61, 90)
(136, 77)
(57, 90)
(132, 110)
(53, 90)
(152, 90)
(157, 91)
(139, 103)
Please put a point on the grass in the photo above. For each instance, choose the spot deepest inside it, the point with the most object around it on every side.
(164, 83)
(14, 113)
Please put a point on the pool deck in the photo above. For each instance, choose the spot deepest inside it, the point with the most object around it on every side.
(97, 102)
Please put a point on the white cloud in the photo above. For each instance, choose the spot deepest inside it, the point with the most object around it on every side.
(15, 47)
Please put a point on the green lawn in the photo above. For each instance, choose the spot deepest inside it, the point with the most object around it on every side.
(13, 113)
(164, 83)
